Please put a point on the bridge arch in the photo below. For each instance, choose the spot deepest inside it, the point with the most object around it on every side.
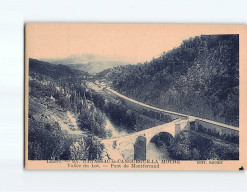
(162, 137)
(157, 148)
(135, 141)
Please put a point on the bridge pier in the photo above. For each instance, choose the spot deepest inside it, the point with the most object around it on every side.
(193, 125)
(140, 148)
(177, 129)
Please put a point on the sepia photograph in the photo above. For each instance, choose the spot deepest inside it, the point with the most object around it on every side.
(123, 96)
(132, 96)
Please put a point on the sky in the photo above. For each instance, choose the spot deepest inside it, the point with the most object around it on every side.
(122, 42)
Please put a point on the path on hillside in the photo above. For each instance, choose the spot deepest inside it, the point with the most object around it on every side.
(69, 125)
(167, 111)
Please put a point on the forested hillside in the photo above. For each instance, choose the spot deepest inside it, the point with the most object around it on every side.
(52, 70)
(199, 78)
(62, 123)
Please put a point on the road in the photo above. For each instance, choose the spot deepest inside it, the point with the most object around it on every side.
(167, 111)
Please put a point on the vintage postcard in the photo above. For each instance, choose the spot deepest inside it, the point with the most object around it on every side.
(135, 96)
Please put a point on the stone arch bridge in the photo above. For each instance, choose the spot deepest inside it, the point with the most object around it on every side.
(117, 147)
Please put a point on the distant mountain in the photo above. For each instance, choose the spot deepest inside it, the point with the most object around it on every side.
(88, 62)
(199, 78)
(52, 70)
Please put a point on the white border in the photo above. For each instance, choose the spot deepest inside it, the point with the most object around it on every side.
(13, 15)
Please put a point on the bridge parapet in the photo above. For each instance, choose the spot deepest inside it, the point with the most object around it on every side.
(127, 142)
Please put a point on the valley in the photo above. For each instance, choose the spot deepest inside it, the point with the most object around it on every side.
(182, 105)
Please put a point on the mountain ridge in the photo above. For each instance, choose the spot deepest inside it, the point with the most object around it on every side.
(88, 62)
(52, 70)
(200, 78)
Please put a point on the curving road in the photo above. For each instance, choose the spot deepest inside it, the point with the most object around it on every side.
(167, 111)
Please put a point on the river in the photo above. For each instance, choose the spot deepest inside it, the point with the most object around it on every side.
(115, 130)
(153, 152)
(157, 153)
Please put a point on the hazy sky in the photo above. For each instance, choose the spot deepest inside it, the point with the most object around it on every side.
(129, 42)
